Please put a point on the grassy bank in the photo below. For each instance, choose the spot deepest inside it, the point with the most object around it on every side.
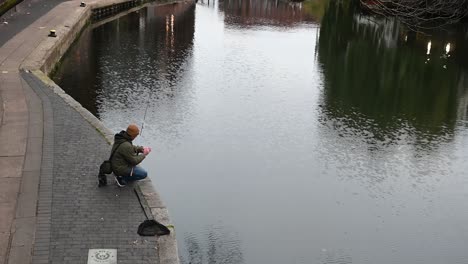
(7, 5)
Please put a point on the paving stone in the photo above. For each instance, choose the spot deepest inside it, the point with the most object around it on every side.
(23, 231)
(83, 216)
(32, 162)
(11, 166)
(14, 92)
(27, 200)
(20, 255)
(5, 238)
(13, 139)
(34, 145)
(14, 117)
(6, 216)
(10, 80)
(36, 119)
(15, 105)
(9, 190)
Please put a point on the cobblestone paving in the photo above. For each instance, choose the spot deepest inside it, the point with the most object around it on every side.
(84, 216)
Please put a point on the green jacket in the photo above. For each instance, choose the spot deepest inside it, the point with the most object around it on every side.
(126, 156)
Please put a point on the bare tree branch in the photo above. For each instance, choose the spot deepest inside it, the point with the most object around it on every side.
(420, 14)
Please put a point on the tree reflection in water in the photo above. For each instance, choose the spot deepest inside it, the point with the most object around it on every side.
(218, 246)
(255, 13)
(381, 79)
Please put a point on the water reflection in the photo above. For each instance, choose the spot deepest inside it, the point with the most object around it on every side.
(218, 246)
(254, 13)
(392, 100)
(372, 72)
(147, 67)
(81, 81)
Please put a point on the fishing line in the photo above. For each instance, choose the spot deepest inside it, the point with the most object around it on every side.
(144, 117)
(146, 111)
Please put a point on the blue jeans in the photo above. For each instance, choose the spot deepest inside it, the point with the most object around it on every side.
(138, 174)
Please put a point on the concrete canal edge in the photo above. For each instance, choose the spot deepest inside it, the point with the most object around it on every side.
(43, 60)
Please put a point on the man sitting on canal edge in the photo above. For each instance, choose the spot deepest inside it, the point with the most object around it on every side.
(127, 157)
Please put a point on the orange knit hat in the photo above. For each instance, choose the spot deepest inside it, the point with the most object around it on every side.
(132, 130)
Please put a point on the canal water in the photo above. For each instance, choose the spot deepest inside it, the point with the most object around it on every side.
(289, 132)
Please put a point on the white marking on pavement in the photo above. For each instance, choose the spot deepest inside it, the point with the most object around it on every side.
(102, 256)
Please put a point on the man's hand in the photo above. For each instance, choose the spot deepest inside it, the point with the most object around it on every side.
(146, 150)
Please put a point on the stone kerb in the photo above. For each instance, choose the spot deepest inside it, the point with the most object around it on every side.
(50, 51)
(43, 60)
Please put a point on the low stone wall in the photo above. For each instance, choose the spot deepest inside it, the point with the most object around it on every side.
(107, 11)
(43, 60)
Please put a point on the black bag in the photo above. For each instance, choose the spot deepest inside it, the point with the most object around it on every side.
(102, 180)
(106, 168)
(152, 228)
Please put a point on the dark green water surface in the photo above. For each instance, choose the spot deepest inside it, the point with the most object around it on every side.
(290, 133)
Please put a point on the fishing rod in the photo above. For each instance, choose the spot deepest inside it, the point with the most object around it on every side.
(144, 118)
(146, 111)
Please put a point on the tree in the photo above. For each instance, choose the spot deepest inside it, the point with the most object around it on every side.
(420, 14)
